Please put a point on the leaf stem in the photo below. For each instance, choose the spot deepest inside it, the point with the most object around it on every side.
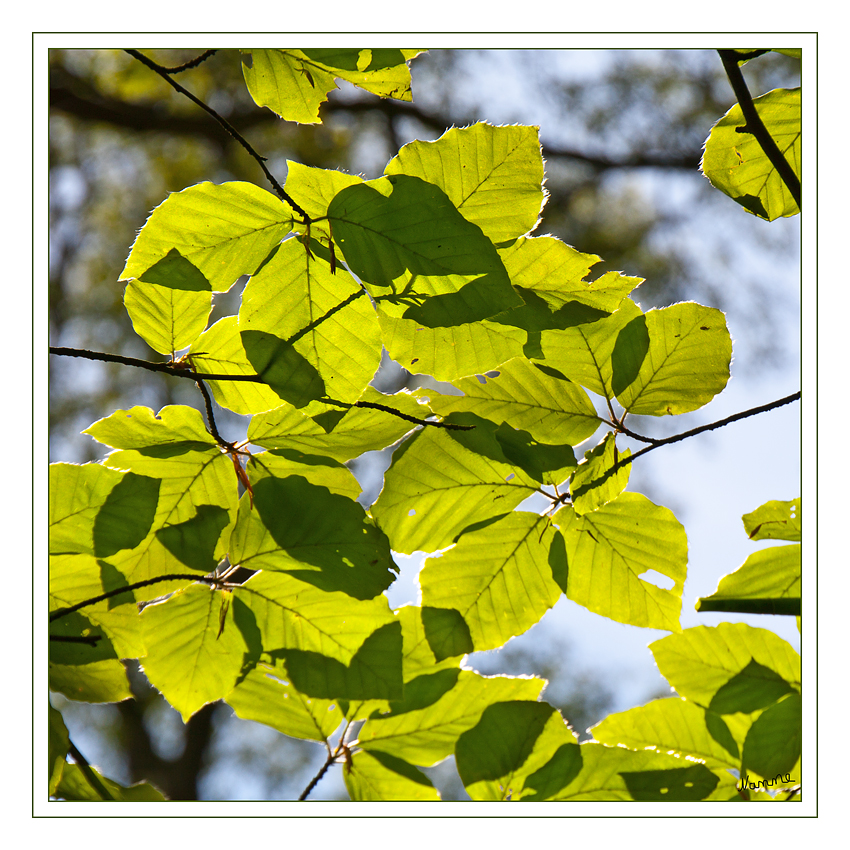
(92, 778)
(755, 125)
(229, 128)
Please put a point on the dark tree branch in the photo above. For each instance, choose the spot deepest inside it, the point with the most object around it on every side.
(91, 777)
(61, 612)
(158, 69)
(91, 641)
(210, 418)
(755, 125)
(191, 64)
(318, 777)
(654, 444)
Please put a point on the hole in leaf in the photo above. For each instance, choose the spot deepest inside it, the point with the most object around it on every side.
(411, 512)
(509, 477)
(659, 580)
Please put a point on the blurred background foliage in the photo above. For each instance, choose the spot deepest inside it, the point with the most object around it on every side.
(622, 134)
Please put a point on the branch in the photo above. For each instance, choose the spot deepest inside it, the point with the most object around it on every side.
(755, 125)
(317, 778)
(169, 369)
(191, 64)
(210, 418)
(753, 411)
(165, 74)
(61, 612)
(92, 778)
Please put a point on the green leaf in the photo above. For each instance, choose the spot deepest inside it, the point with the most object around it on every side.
(427, 735)
(774, 742)
(556, 272)
(775, 520)
(528, 397)
(358, 430)
(501, 578)
(294, 83)
(190, 658)
(666, 725)
(97, 682)
(450, 353)
(435, 639)
(618, 774)
(176, 426)
(611, 548)
(584, 353)
(768, 582)
(266, 695)
(309, 532)
(308, 332)
(436, 487)
(334, 646)
(166, 319)
(75, 578)
(403, 233)
(512, 741)
(593, 484)
(735, 163)
(224, 231)
(379, 777)
(672, 360)
(75, 786)
(701, 661)
(493, 175)
(219, 351)
(57, 747)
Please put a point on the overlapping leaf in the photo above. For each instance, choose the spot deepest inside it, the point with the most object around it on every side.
(436, 487)
(294, 83)
(427, 735)
(224, 231)
(527, 397)
(493, 175)
(376, 776)
(506, 753)
(609, 549)
(594, 482)
(735, 163)
(307, 332)
(501, 578)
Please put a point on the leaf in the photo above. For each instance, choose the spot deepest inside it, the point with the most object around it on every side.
(189, 660)
(510, 743)
(358, 430)
(734, 162)
(57, 747)
(768, 582)
(618, 774)
(97, 682)
(427, 735)
(76, 787)
(219, 351)
(774, 742)
(309, 532)
(450, 353)
(405, 234)
(308, 332)
(501, 578)
(666, 725)
(265, 695)
(609, 549)
(294, 83)
(701, 661)
(672, 360)
(224, 231)
(493, 175)
(436, 487)
(525, 396)
(584, 353)
(593, 484)
(775, 520)
(166, 319)
(378, 777)
(556, 272)
(176, 426)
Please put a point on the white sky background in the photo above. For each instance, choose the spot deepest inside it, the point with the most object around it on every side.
(715, 478)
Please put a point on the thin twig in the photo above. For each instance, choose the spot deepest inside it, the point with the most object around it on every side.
(210, 418)
(317, 778)
(61, 612)
(90, 640)
(192, 63)
(231, 130)
(753, 411)
(755, 125)
(92, 778)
